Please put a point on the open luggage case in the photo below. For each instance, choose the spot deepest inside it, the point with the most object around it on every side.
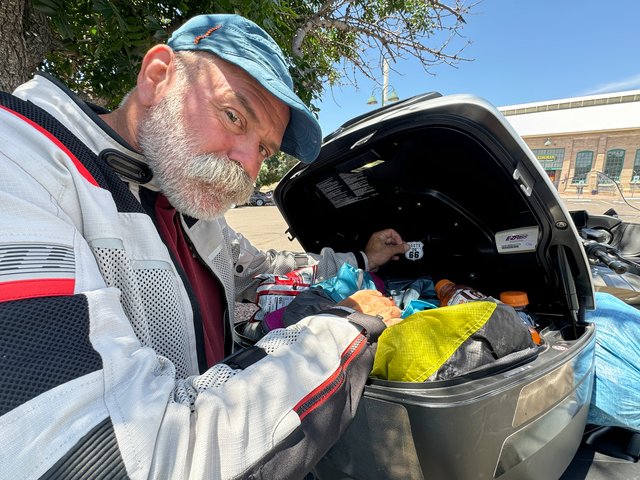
(450, 172)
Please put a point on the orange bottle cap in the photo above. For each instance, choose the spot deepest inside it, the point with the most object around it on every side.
(514, 298)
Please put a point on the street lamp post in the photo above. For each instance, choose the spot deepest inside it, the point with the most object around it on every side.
(385, 81)
(387, 96)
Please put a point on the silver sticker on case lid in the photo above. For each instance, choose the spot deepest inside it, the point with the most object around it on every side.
(415, 252)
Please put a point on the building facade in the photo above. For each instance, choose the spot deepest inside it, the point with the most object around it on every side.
(585, 144)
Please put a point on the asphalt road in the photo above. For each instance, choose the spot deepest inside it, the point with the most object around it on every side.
(628, 209)
(263, 226)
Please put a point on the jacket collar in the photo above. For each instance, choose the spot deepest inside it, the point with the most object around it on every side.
(83, 120)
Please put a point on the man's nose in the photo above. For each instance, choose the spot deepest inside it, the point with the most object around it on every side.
(246, 151)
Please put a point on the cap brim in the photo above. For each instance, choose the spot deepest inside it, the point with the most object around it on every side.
(302, 141)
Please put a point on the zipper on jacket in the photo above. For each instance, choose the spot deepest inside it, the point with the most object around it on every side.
(148, 200)
(227, 337)
(326, 390)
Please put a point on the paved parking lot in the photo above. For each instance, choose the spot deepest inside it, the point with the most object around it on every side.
(263, 226)
(628, 210)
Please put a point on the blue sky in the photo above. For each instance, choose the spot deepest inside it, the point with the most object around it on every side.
(523, 51)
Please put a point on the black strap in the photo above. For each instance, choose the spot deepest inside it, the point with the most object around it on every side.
(616, 442)
(360, 260)
(372, 325)
(245, 357)
(100, 171)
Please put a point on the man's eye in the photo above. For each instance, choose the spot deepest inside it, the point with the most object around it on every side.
(264, 152)
(232, 116)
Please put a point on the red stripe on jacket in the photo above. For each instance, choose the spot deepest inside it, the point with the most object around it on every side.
(339, 371)
(36, 287)
(78, 164)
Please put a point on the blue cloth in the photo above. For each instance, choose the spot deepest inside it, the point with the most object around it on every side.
(616, 393)
(404, 291)
(416, 305)
(348, 281)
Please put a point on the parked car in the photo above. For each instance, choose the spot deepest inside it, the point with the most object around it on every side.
(259, 198)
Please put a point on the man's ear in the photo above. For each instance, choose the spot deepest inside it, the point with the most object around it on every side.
(156, 75)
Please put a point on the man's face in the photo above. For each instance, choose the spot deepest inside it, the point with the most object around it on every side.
(206, 139)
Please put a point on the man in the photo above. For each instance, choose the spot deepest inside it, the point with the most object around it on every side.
(116, 297)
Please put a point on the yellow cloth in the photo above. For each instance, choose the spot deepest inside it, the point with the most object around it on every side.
(415, 348)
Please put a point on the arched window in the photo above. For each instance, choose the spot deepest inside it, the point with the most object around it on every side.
(613, 164)
(584, 162)
(635, 176)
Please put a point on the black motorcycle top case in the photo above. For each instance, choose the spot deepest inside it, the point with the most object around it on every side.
(451, 173)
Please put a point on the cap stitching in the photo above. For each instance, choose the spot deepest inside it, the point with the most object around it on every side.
(206, 34)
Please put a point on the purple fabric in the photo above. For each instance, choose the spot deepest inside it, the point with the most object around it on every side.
(377, 281)
(273, 320)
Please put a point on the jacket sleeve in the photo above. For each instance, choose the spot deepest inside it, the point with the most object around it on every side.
(79, 393)
(82, 392)
(250, 261)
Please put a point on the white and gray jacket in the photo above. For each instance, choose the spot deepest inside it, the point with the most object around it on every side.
(101, 374)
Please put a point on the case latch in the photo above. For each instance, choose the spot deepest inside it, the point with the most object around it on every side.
(525, 182)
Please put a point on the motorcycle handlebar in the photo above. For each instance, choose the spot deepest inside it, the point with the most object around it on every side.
(601, 253)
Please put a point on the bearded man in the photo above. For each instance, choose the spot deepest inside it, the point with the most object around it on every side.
(118, 276)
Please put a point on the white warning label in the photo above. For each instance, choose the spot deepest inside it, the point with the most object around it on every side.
(347, 188)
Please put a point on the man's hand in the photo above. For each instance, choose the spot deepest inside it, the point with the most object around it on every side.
(384, 246)
(372, 302)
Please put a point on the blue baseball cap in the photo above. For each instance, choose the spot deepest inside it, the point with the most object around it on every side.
(243, 43)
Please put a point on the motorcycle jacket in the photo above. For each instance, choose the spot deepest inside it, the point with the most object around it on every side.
(101, 371)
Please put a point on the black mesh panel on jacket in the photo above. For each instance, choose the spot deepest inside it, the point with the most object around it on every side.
(95, 456)
(44, 342)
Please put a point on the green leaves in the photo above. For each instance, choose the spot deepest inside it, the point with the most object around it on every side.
(274, 168)
(102, 42)
(47, 7)
(99, 44)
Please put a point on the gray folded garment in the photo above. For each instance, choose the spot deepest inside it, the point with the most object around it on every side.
(308, 302)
